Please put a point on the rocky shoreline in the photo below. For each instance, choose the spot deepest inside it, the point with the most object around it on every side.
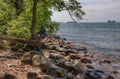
(59, 59)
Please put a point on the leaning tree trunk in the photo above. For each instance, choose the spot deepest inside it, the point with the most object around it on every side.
(32, 29)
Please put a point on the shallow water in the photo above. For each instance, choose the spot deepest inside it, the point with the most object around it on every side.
(99, 37)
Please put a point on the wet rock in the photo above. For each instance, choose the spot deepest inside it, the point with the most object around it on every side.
(7, 76)
(32, 75)
(90, 67)
(96, 74)
(26, 58)
(84, 49)
(86, 60)
(79, 68)
(69, 51)
(110, 77)
(105, 61)
(58, 73)
(66, 65)
(56, 56)
(74, 65)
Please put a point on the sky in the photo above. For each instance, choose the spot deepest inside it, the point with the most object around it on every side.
(96, 11)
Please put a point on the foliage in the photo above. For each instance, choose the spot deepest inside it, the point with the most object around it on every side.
(7, 13)
(16, 20)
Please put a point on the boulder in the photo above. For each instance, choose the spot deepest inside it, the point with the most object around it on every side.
(36, 60)
(84, 49)
(58, 72)
(69, 51)
(65, 64)
(105, 61)
(32, 75)
(52, 47)
(86, 60)
(94, 75)
(56, 56)
(40, 61)
(79, 68)
(89, 66)
(81, 76)
(7, 76)
(75, 56)
(26, 58)
(74, 65)
(110, 77)
(60, 49)
(70, 76)
(98, 74)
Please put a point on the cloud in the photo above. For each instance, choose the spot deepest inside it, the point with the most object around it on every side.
(96, 10)
(102, 10)
(61, 16)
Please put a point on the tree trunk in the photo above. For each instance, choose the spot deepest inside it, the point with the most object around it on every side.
(32, 29)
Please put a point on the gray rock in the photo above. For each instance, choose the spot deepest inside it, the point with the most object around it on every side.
(36, 60)
(56, 56)
(58, 72)
(84, 49)
(32, 75)
(45, 77)
(70, 51)
(26, 58)
(7, 76)
(86, 60)
(79, 68)
(73, 65)
(70, 76)
(60, 49)
(81, 76)
(95, 75)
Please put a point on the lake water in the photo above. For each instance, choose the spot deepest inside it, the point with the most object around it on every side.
(99, 37)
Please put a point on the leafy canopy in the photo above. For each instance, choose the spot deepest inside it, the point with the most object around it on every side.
(15, 20)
